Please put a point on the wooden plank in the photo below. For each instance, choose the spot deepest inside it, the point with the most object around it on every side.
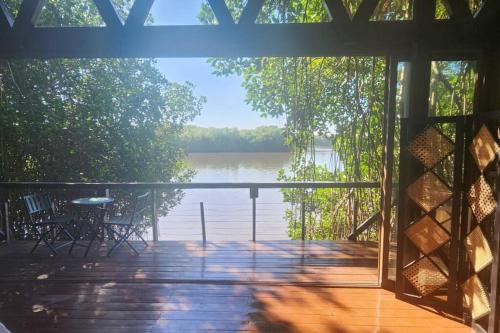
(313, 39)
(454, 299)
(209, 308)
(391, 77)
(494, 320)
(306, 263)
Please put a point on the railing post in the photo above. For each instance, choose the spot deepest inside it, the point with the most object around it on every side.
(254, 194)
(154, 215)
(303, 219)
(202, 214)
(7, 222)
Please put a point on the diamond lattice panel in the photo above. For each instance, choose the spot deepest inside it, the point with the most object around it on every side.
(427, 235)
(483, 148)
(425, 276)
(428, 192)
(475, 298)
(478, 249)
(430, 147)
(481, 199)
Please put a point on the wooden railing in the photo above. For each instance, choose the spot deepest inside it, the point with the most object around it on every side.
(104, 188)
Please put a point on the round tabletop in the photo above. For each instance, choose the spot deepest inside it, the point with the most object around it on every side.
(92, 201)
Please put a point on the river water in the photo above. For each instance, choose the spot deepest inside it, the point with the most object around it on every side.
(228, 212)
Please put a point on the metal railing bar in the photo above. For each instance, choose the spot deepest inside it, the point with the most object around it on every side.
(172, 186)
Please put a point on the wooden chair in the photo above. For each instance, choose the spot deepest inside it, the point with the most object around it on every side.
(123, 226)
(44, 221)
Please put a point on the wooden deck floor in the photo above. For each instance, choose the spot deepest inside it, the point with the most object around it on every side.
(224, 287)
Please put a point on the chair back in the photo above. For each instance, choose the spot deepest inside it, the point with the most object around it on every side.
(38, 205)
(140, 205)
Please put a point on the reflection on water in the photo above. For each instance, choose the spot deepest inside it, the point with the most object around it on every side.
(228, 212)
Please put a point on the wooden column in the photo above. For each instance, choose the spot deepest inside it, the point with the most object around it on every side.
(490, 102)
(420, 70)
(391, 65)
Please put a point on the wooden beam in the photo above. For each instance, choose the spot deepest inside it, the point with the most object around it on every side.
(139, 13)
(6, 19)
(251, 11)
(221, 12)
(494, 317)
(108, 13)
(364, 226)
(365, 10)
(391, 78)
(458, 10)
(28, 15)
(337, 11)
(488, 11)
(313, 39)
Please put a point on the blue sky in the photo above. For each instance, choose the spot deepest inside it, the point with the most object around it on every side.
(226, 105)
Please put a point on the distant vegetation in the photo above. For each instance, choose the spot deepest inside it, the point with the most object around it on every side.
(216, 140)
(208, 140)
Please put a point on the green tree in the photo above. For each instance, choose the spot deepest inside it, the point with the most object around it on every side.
(92, 119)
(339, 98)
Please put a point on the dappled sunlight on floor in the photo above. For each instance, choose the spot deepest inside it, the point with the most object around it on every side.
(279, 287)
(116, 307)
(310, 262)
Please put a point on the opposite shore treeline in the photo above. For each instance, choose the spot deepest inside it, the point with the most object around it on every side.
(210, 140)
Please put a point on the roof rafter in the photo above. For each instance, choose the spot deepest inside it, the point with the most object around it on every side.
(108, 13)
(251, 11)
(221, 12)
(6, 19)
(365, 10)
(337, 11)
(139, 13)
(341, 36)
(29, 11)
(458, 10)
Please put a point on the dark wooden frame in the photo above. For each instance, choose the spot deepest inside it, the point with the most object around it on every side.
(418, 40)
(20, 38)
(407, 211)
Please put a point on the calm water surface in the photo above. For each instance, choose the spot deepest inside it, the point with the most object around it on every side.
(228, 212)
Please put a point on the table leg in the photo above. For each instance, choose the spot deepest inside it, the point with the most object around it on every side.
(78, 231)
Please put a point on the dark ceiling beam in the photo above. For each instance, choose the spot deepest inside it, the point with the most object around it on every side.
(108, 13)
(488, 11)
(221, 12)
(139, 13)
(6, 19)
(459, 10)
(29, 10)
(251, 11)
(365, 10)
(337, 11)
(314, 39)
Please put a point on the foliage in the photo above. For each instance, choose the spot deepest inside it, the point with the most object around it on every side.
(339, 98)
(92, 120)
(261, 139)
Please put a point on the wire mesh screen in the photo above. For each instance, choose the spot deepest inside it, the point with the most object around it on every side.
(428, 191)
(425, 276)
(430, 147)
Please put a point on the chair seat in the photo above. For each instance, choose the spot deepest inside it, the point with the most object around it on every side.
(123, 220)
(55, 220)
